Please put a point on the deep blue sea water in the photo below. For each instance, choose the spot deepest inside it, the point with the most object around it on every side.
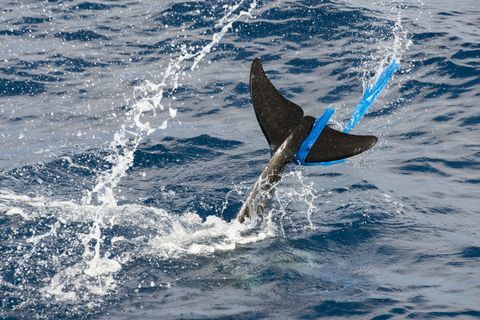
(122, 167)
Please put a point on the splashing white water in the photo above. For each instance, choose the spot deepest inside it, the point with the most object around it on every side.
(169, 235)
(393, 49)
(160, 234)
(134, 131)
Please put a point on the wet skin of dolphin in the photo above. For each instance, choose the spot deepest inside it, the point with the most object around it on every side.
(286, 128)
(272, 173)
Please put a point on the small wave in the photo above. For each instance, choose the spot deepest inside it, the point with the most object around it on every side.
(471, 252)
(33, 20)
(18, 88)
(15, 32)
(95, 6)
(179, 151)
(422, 168)
(331, 308)
(471, 121)
(81, 35)
(454, 164)
(466, 54)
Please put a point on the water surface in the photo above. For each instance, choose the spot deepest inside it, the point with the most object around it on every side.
(129, 143)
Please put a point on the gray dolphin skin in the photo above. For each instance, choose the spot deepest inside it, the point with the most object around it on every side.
(285, 127)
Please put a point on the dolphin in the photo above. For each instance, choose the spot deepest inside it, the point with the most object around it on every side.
(285, 127)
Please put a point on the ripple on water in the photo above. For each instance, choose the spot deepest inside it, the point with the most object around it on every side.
(17, 88)
(81, 35)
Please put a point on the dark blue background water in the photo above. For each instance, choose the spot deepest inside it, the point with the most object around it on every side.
(392, 233)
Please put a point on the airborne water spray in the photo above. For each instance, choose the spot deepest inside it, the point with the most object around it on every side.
(134, 131)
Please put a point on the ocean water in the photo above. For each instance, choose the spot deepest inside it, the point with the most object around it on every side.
(129, 143)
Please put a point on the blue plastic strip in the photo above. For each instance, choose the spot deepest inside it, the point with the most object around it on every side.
(309, 141)
(371, 94)
(369, 97)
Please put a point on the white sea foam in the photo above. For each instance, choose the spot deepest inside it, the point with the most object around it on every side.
(161, 234)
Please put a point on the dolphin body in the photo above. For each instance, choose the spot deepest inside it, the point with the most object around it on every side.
(285, 127)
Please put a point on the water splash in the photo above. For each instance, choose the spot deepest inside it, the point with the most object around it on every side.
(85, 265)
(134, 131)
(127, 140)
(389, 47)
(303, 193)
(129, 231)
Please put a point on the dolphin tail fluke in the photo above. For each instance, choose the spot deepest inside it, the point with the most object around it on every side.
(334, 145)
(278, 117)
